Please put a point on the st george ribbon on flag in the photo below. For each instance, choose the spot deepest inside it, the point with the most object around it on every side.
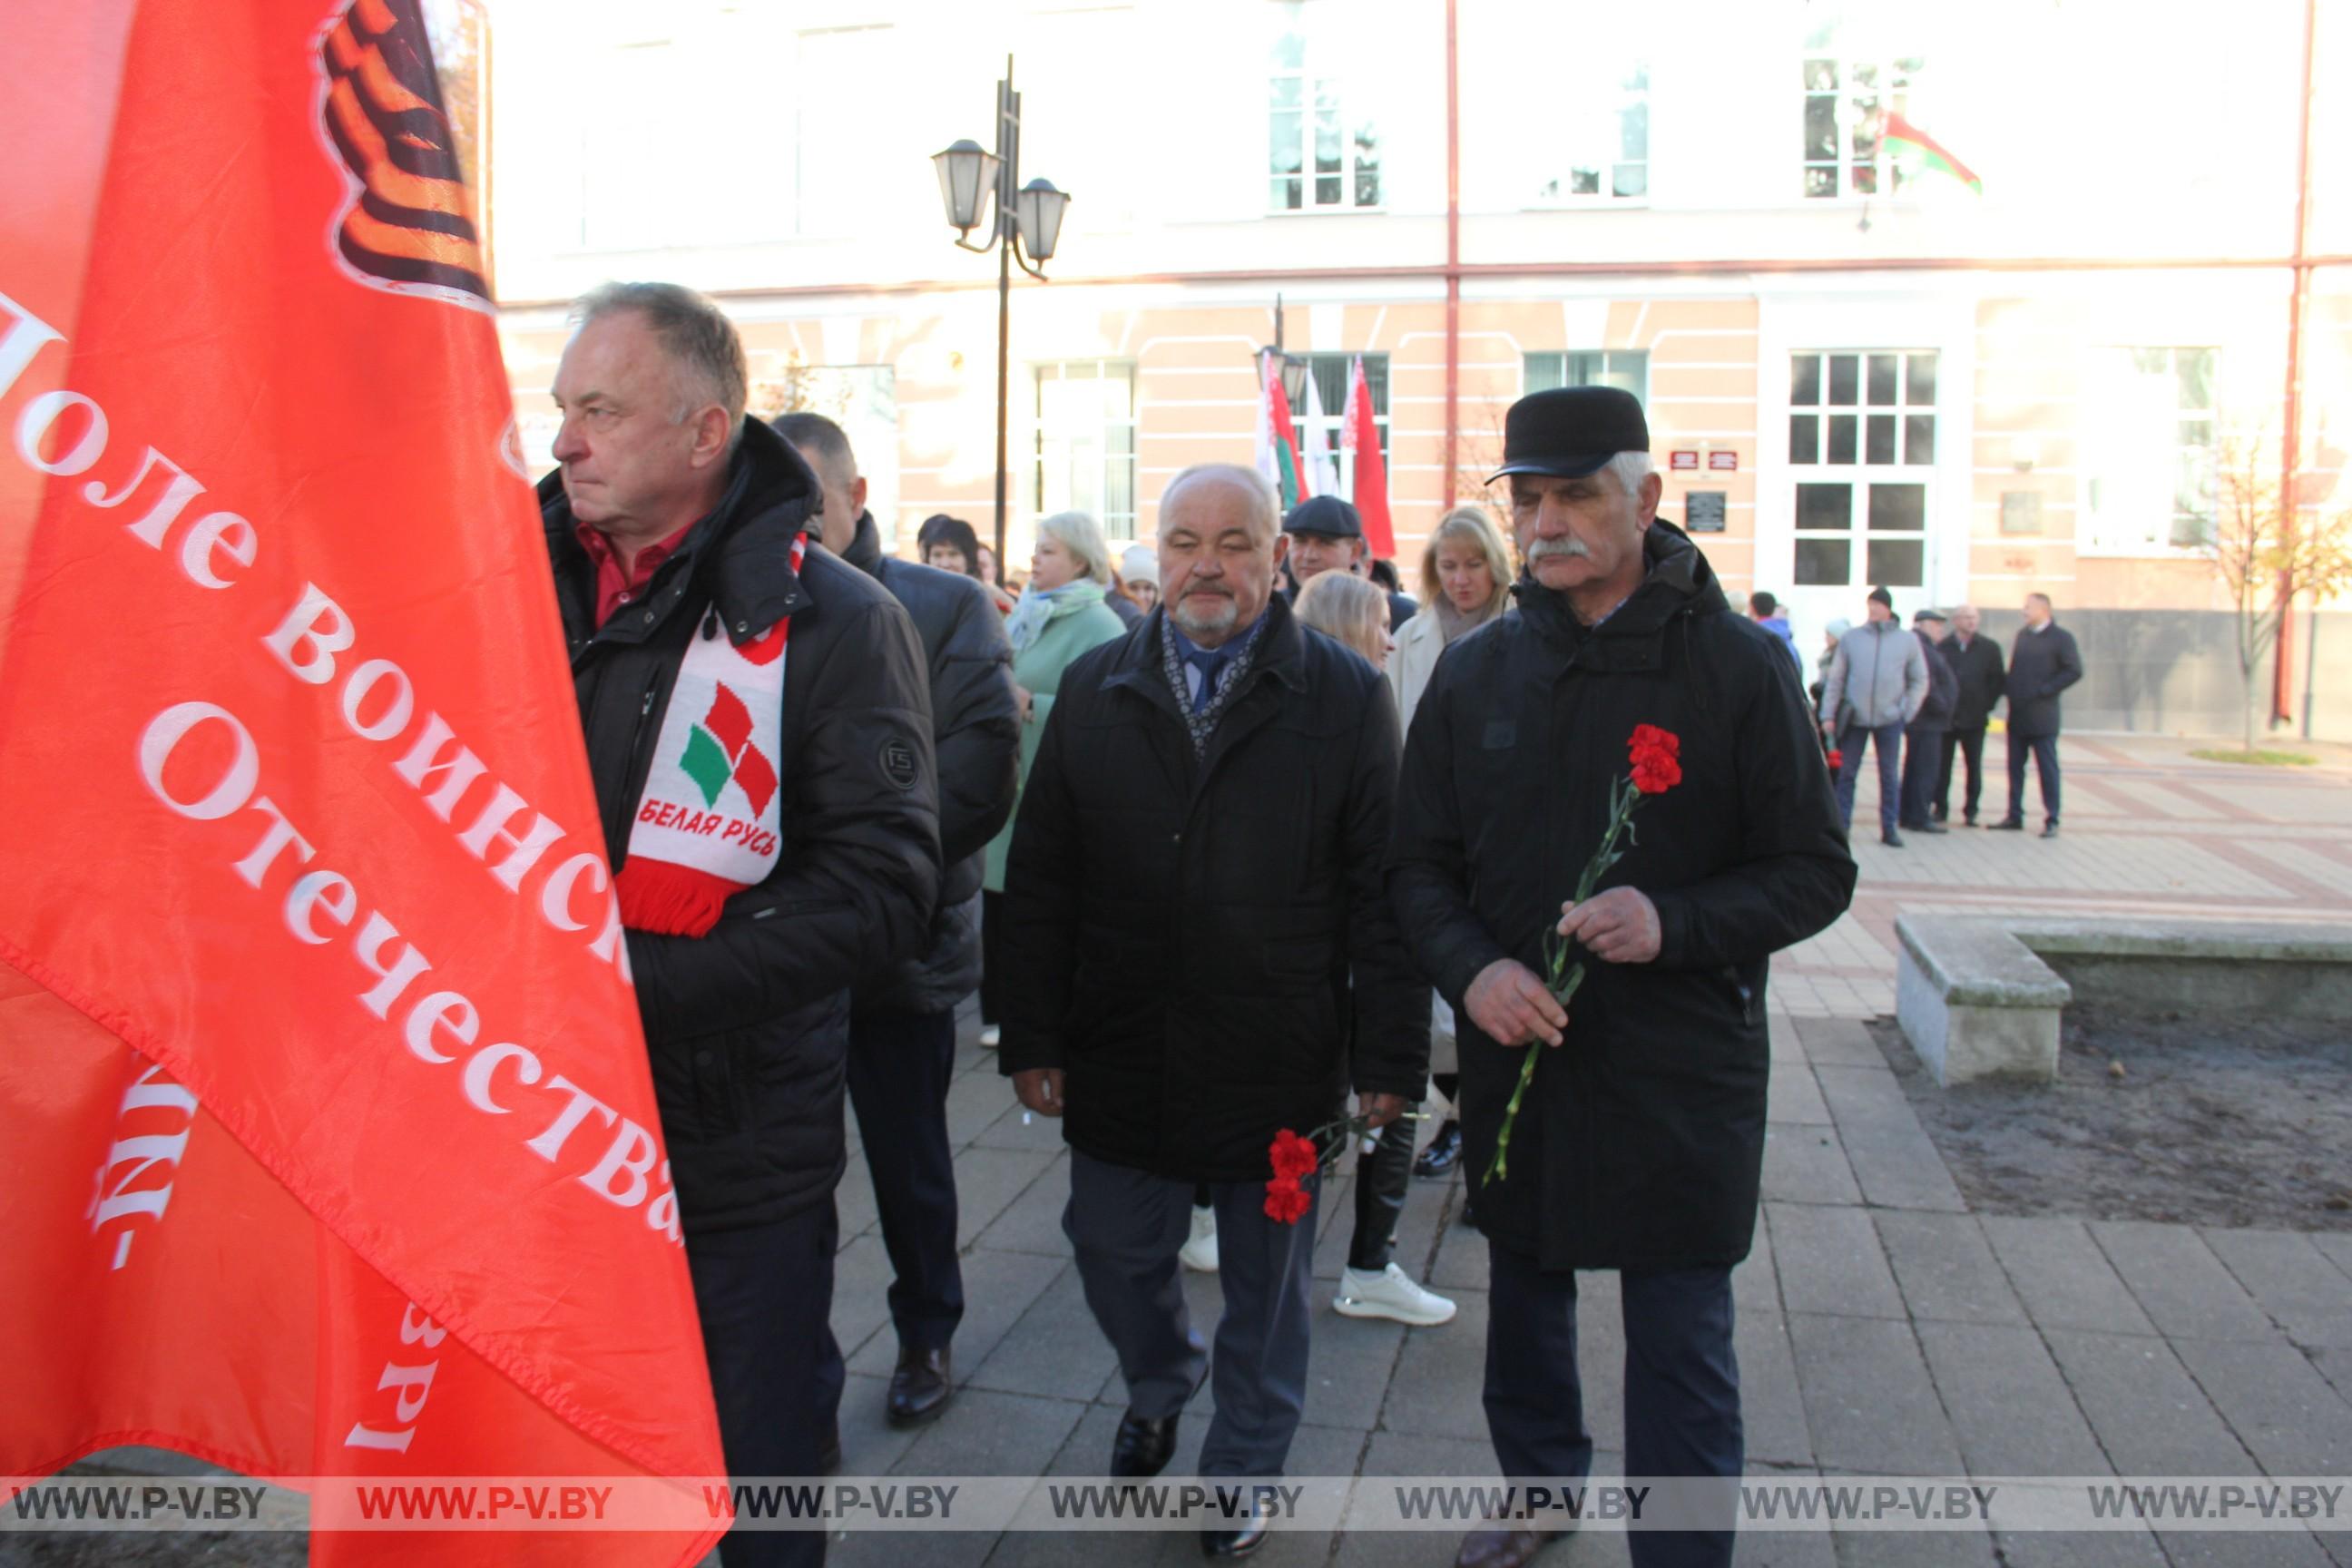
(332, 1139)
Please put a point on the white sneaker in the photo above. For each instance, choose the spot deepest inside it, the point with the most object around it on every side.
(990, 1035)
(1391, 1293)
(1200, 1254)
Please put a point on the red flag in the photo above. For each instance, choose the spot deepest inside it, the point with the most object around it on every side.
(1359, 438)
(1277, 437)
(333, 1147)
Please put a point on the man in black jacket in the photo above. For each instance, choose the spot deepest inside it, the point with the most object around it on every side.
(2043, 663)
(1923, 738)
(1640, 1143)
(902, 1025)
(1198, 955)
(671, 529)
(1976, 659)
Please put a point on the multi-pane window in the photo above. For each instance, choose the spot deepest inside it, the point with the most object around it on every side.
(1086, 442)
(1600, 146)
(1329, 373)
(1846, 101)
(2148, 447)
(1628, 370)
(1318, 156)
(1856, 423)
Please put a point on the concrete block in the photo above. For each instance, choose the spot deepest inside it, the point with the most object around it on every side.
(2064, 1280)
(1830, 1262)
(1946, 1269)
(1962, 1042)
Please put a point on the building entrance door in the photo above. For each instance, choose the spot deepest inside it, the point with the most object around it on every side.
(1862, 453)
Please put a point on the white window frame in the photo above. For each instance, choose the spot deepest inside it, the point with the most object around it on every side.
(2114, 535)
(1896, 78)
(1575, 368)
(1630, 92)
(1052, 449)
(1861, 474)
(1308, 91)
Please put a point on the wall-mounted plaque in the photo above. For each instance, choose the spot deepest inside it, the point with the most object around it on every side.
(2020, 512)
(1703, 511)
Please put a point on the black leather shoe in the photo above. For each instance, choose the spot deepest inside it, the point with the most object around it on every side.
(1445, 1150)
(1929, 828)
(1239, 1542)
(828, 1454)
(2005, 826)
(2050, 829)
(921, 1387)
(1142, 1448)
(1891, 838)
(1969, 820)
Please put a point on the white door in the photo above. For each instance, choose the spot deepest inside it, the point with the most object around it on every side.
(1860, 449)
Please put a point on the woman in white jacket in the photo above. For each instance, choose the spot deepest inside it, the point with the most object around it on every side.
(1465, 582)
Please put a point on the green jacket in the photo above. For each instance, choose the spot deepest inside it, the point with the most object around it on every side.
(1082, 624)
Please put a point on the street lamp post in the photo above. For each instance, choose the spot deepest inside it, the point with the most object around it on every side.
(1024, 219)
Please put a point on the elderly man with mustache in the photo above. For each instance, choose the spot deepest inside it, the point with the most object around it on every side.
(1639, 1143)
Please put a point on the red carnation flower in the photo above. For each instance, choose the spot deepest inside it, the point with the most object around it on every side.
(1293, 1156)
(1285, 1201)
(1656, 774)
(1650, 738)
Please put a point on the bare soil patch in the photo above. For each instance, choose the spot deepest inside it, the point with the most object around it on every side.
(2209, 1121)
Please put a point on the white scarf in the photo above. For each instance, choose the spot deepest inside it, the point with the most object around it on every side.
(709, 824)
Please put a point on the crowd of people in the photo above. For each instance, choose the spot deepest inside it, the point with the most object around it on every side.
(1918, 699)
(1233, 840)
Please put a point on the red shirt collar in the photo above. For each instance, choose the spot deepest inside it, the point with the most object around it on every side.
(614, 587)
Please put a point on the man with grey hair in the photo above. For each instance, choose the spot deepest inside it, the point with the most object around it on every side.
(1637, 1144)
(743, 773)
(1197, 955)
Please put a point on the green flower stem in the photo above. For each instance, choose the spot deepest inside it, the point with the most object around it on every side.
(1561, 980)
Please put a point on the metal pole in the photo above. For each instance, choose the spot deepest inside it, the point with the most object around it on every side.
(2310, 665)
(1008, 152)
(2291, 453)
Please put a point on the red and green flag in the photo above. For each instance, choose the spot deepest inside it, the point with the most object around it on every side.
(1277, 437)
(1908, 143)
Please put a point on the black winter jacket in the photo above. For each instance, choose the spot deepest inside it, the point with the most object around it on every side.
(976, 731)
(2041, 665)
(748, 1026)
(1934, 715)
(1983, 678)
(1203, 945)
(1641, 1143)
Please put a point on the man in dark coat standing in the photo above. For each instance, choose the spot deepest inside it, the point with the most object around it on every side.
(1976, 659)
(902, 1023)
(1639, 1145)
(1923, 738)
(1327, 534)
(2043, 663)
(1198, 954)
(671, 527)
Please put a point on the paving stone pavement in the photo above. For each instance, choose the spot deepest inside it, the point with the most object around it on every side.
(1882, 1327)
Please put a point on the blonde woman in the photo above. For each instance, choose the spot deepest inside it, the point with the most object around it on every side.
(1351, 610)
(1465, 582)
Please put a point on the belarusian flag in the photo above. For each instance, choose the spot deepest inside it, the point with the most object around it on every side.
(1908, 143)
(1277, 441)
(330, 1144)
(1359, 442)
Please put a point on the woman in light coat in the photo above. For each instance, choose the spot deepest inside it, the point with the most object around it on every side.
(1465, 582)
(1061, 615)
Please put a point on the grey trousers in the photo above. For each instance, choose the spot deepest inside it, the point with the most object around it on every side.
(1127, 1226)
